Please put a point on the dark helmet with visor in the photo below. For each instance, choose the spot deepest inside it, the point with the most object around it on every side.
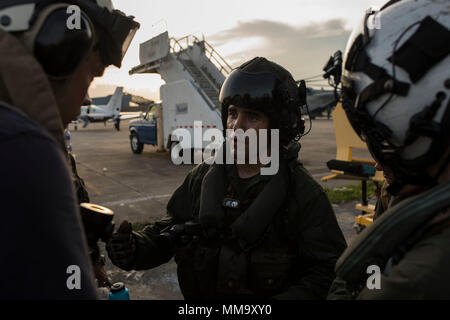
(44, 26)
(265, 86)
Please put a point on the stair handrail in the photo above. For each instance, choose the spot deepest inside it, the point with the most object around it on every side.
(212, 83)
(173, 46)
(213, 54)
(219, 61)
(210, 103)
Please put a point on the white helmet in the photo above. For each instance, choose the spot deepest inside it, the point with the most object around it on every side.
(396, 84)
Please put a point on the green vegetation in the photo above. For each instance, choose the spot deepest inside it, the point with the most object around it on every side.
(349, 193)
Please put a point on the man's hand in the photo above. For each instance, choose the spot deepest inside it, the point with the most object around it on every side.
(122, 247)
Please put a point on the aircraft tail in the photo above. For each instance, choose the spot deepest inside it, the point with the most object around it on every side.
(115, 103)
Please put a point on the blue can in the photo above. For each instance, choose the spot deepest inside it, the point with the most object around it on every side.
(67, 137)
(118, 291)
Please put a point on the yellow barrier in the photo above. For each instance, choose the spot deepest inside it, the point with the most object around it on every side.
(346, 141)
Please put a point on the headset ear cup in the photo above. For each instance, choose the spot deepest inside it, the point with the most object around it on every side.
(61, 50)
(302, 92)
(301, 125)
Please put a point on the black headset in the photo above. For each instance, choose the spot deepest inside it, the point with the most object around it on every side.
(61, 50)
(61, 37)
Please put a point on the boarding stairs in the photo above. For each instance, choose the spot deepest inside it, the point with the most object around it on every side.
(203, 81)
(187, 58)
(187, 51)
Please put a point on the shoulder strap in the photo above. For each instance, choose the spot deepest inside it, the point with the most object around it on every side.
(292, 204)
(398, 223)
(250, 226)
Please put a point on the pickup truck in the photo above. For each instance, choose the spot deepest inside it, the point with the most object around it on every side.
(143, 131)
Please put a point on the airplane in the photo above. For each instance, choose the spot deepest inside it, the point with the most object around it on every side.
(320, 101)
(110, 112)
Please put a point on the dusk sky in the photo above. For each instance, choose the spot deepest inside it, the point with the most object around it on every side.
(300, 35)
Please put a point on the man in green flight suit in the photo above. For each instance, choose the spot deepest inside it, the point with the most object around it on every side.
(234, 232)
(396, 94)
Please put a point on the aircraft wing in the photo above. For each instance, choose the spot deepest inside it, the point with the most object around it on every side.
(128, 116)
(318, 102)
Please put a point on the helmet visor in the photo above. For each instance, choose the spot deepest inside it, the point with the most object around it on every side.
(120, 32)
(248, 89)
(116, 32)
(126, 43)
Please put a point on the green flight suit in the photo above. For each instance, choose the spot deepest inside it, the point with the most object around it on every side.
(281, 242)
(417, 269)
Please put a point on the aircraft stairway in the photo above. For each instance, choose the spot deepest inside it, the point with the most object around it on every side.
(189, 65)
(201, 60)
(202, 81)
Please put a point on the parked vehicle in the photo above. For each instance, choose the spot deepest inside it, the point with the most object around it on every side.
(143, 131)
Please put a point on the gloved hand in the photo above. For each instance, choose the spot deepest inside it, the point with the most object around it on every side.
(122, 247)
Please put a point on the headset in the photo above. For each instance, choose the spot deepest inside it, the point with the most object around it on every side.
(44, 28)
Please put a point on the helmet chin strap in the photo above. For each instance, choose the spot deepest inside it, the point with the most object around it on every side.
(402, 180)
(426, 180)
(443, 167)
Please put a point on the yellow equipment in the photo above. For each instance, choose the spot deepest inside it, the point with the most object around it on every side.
(346, 141)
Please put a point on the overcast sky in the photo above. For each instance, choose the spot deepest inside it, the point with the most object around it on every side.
(298, 34)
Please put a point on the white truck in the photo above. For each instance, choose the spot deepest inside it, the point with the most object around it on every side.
(194, 73)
